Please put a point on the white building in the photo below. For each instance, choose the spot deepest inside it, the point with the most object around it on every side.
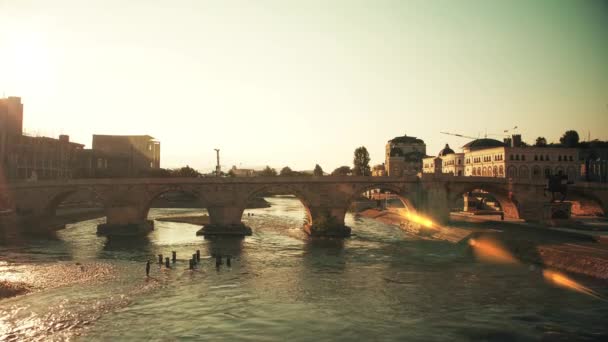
(492, 158)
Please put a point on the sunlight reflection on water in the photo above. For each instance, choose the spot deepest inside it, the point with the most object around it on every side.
(379, 284)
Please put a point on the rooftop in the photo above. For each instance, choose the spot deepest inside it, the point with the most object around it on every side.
(479, 144)
(406, 140)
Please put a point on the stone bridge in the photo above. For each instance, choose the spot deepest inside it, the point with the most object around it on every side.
(326, 199)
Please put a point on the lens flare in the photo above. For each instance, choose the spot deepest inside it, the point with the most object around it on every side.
(489, 250)
(420, 220)
(562, 280)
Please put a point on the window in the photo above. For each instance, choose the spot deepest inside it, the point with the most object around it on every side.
(547, 158)
(536, 172)
(511, 172)
(523, 157)
(559, 158)
(517, 157)
(542, 158)
(523, 172)
(570, 158)
(535, 157)
(511, 157)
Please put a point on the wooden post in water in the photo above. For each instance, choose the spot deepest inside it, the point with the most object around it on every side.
(198, 255)
(167, 264)
(174, 256)
(160, 259)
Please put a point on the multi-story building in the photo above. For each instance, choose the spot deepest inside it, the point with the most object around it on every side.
(512, 159)
(133, 154)
(404, 156)
(30, 157)
(11, 127)
(447, 161)
(35, 158)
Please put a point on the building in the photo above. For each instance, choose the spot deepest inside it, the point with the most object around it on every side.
(447, 161)
(379, 170)
(593, 156)
(11, 127)
(30, 157)
(511, 158)
(403, 156)
(92, 163)
(34, 158)
(133, 155)
(241, 172)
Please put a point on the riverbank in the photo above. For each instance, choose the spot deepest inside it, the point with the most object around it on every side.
(569, 251)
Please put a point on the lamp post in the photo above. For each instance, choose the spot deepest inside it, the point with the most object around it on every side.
(218, 169)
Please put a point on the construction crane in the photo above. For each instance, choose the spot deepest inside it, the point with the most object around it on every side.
(505, 133)
(458, 135)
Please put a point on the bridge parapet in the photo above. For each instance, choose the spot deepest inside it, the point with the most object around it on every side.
(127, 201)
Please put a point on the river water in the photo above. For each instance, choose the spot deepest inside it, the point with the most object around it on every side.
(380, 284)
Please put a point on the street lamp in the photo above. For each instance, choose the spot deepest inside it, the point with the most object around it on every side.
(218, 169)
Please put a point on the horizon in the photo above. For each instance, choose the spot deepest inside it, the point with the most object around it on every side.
(299, 84)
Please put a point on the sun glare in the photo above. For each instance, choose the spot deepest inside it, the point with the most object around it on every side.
(25, 63)
(490, 250)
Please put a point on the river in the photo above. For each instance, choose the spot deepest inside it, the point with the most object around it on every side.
(380, 284)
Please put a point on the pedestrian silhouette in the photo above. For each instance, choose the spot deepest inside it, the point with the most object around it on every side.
(148, 268)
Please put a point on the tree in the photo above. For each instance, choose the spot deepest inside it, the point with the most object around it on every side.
(341, 171)
(361, 162)
(541, 142)
(318, 171)
(569, 139)
(185, 171)
(286, 172)
(268, 172)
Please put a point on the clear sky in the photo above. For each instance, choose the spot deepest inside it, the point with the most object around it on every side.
(303, 82)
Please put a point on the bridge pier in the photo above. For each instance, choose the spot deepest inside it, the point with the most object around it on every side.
(434, 204)
(125, 221)
(225, 221)
(327, 222)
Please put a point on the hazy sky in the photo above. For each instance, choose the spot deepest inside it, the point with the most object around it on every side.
(303, 82)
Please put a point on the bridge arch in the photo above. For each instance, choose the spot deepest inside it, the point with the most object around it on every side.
(586, 204)
(508, 204)
(395, 189)
(157, 193)
(56, 199)
(69, 205)
(285, 189)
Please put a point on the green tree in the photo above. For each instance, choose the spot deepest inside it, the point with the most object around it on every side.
(268, 172)
(341, 171)
(185, 171)
(318, 171)
(286, 172)
(361, 162)
(541, 142)
(569, 139)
